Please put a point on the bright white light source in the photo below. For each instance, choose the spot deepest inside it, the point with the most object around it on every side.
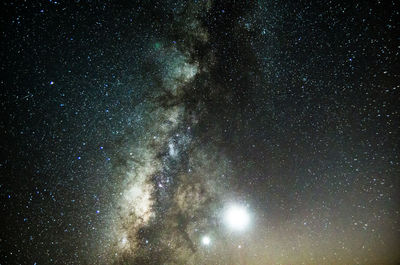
(236, 217)
(206, 240)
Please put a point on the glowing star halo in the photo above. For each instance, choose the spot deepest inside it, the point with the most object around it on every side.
(206, 240)
(237, 217)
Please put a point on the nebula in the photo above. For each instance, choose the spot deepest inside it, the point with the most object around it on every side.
(171, 186)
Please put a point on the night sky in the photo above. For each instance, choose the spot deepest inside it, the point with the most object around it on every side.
(200, 132)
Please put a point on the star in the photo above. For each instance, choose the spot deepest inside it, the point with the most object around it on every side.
(206, 240)
(236, 217)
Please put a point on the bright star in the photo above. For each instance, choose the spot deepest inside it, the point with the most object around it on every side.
(206, 240)
(237, 217)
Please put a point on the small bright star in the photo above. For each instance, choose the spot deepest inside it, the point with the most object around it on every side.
(206, 240)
